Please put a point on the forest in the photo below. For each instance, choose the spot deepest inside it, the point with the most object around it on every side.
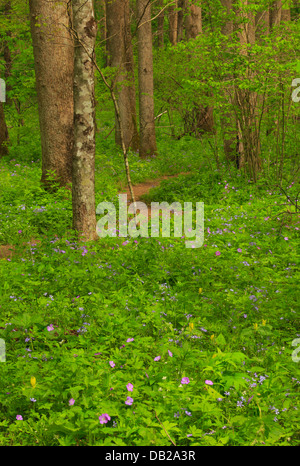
(149, 223)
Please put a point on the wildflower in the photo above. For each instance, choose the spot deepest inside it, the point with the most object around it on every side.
(112, 364)
(157, 358)
(200, 290)
(170, 353)
(240, 404)
(33, 400)
(50, 328)
(129, 387)
(176, 414)
(19, 417)
(239, 250)
(185, 380)
(129, 401)
(188, 413)
(104, 418)
(255, 326)
(218, 253)
(208, 382)
(71, 401)
(129, 340)
(264, 322)
(33, 382)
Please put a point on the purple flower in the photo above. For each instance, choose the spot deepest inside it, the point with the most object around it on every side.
(129, 340)
(239, 250)
(71, 401)
(104, 418)
(188, 413)
(50, 328)
(218, 253)
(209, 382)
(170, 354)
(129, 401)
(19, 417)
(185, 380)
(129, 387)
(112, 364)
(157, 358)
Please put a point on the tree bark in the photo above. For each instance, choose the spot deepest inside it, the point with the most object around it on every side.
(53, 59)
(262, 22)
(227, 26)
(120, 56)
(193, 20)
(173, 22)
(275, 13)
(83, 187)
(180, 20)
(145, 72)
(160, 25)
(3, 133)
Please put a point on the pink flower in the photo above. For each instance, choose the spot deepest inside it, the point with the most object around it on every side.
(286, 238)
(157, 358)
(19, 417)
(71, 401)
(239, 250)
(104, 418)
(129, 401)
(170, 354)
(112, 364)
(129, 387)
(209, 382)
(129, 340)
(50, 328)
(218, 253)
(185, 380)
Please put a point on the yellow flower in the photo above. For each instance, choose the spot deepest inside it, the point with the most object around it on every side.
(255, 326)
(200, 290)
(212, 337)
(33, 382)
(264, 322)
(191, 326)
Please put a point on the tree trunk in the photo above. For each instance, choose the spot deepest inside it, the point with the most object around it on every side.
(180, 20)
(3, 133)
(193, 20)
(120, 56)
(262, 22)
(275, 13)
(53, 59)
(160, 25)
(145, 72)
(173, 21)
(227, 26)
(83, 187)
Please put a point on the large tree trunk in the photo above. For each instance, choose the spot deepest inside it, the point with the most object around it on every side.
(173, 21)
(120, 56)
(53, 57)
(83, 187)
(145, 72)
(3, 133)
(193, 20)
(262, 22)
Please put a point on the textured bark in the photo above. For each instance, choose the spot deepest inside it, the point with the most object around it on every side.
(120, 56)
(275, 13)
(227, 26)
(193, 20)
(173, 21)
(53, 58)
(83, 187)
(160, 25)
(3, 133)
(180, 20)
(262, 22)
(145, 72)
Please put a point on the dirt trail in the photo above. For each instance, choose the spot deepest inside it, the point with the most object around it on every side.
(7, 250)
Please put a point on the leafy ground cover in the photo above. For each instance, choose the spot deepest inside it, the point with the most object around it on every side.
(144, 341)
